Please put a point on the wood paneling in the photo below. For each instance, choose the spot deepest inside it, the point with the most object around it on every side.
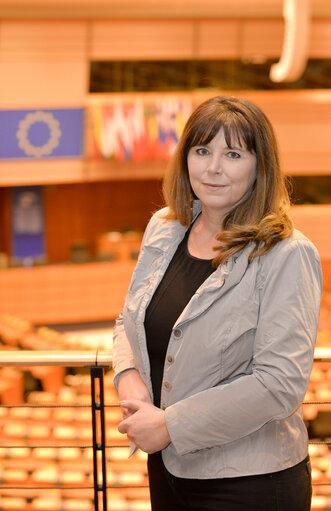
(40, 40)
(205, 38)
(315, 223)
(302, 121)
(36, 172)
(43, 63)
(138, 8)
(261, 38)
(218, 39)
(65, 293)
(150, 8)
(146, 39)
(83, 211)
(320, 39)
(109, 170)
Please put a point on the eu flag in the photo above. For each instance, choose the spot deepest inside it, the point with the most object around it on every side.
(42, 133)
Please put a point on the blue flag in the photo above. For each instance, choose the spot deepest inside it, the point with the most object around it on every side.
(41, 134)
(27, 224)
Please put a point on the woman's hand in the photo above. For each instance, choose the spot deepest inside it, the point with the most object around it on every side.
(146, 427)
(131, 386)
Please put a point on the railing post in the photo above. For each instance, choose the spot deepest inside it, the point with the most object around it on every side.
(99, 436)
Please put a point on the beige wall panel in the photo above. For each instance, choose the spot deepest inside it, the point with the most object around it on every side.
(32, 85)
(31, 172)
(146, 39)
(43, 38)
(42, 63)
(105, 170)
(302, 121)
(306, 107)
(315, 222)
(218, 39)
(306, 162)
(141, 8)
(303, 128)
(65, 293)
(320, 39)
(150, 8)
(261, 38)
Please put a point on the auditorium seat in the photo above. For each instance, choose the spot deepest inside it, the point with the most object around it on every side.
(140, 506)
(41, 398)
(14, 476)
(52, 378)
(64, 415)
(310, 410)
(14, 430)
(83, 415)
(55, 504)
(65, 432)
(45, 453)
(12, 503)
(38, 431)
(70, 454)
(46, 475)
(11, 386)
(48, 503)
(72, 477)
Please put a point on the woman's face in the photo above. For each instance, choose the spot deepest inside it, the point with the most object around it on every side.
(220, 175)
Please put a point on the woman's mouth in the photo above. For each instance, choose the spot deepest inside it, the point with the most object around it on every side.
(213, 186)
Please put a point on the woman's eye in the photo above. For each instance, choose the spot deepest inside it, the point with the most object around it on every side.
(233, 155)
(202, 151)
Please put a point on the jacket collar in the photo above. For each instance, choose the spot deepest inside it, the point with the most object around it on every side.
(172, 231)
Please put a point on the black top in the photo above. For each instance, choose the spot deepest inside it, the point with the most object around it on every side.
(182, 278)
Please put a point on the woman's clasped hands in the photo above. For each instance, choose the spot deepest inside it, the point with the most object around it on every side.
(145, 426)
(143, 422)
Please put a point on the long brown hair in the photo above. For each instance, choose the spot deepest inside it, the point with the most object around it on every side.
(260, 217)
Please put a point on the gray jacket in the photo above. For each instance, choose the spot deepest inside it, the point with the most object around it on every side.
(239, 357)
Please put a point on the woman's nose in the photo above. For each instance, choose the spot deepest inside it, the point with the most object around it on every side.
(215, 166)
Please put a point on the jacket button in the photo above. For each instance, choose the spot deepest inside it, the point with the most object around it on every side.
(167, 385)
(170, 358)
(177, 333)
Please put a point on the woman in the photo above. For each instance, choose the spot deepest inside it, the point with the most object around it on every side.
(213, 350)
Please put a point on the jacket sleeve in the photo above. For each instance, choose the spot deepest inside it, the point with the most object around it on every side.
(123, 358)
(281, 360)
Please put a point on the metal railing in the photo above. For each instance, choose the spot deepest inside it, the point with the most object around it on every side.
(96, 362)
(322, 355)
